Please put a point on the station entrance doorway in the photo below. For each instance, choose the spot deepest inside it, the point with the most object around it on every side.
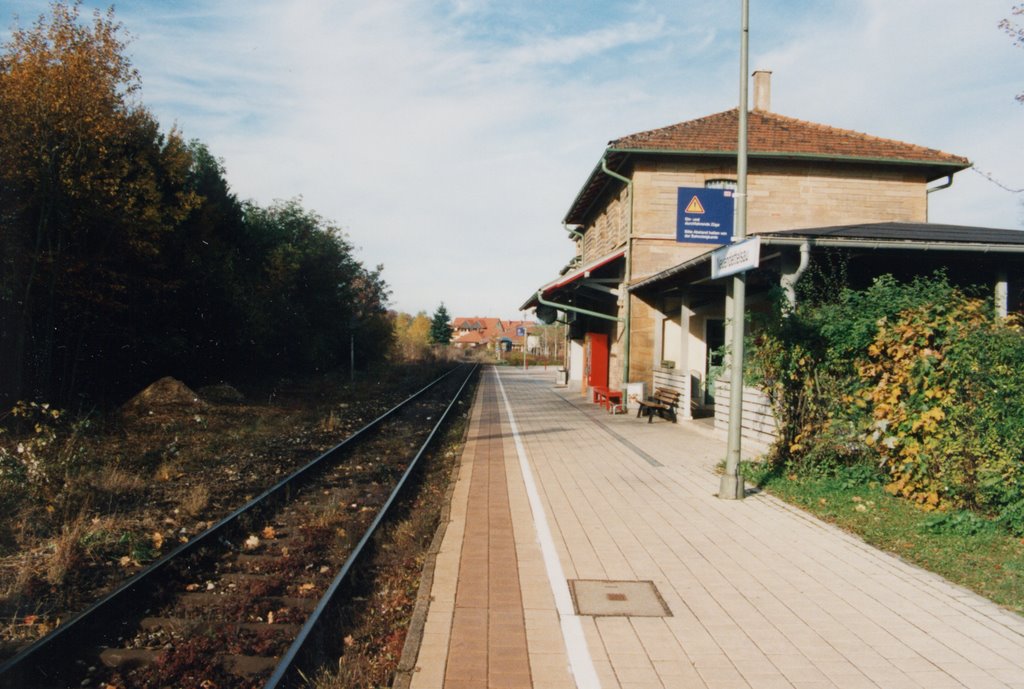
(595, 361)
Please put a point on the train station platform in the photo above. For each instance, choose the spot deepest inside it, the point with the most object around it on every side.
(589, 550)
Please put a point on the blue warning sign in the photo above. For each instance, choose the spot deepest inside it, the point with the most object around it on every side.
(705, 216)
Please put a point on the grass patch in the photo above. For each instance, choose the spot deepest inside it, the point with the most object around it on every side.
(965, 548)
(195, 500)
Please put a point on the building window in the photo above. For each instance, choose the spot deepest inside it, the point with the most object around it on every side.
(729, 184)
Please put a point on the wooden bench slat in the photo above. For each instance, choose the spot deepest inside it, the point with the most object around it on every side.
(663, 402)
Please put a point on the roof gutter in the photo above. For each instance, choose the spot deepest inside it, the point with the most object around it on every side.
(789, 280)
(795, 155)
(575, 309)
(894, 244)
(945, 185)
(928, 191)
(627, 271)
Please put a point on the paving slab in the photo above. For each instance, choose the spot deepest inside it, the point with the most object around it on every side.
(759, 594)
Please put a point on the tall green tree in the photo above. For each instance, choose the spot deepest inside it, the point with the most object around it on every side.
(89, 187)
(441, 326)
(124, 255)
(310, 291)
(198, 326)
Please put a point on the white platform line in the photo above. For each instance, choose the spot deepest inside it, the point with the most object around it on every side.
(581, 664)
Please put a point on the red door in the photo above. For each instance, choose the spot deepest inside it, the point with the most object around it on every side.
(596, 360)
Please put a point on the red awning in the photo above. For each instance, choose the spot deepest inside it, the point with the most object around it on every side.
(581, 272)
(572, 277)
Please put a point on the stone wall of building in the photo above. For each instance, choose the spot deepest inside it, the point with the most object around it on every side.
(608, 229)
(783, 195)
(641, 344)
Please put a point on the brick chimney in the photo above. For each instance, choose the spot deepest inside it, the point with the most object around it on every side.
(763, 90)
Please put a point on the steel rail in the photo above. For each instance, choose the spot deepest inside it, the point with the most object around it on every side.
(25, 669)
(287, 670)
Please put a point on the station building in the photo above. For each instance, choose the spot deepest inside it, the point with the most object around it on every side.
(642, 305)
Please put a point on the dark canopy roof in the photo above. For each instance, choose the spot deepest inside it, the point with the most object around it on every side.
(909, 232)
(891, 236)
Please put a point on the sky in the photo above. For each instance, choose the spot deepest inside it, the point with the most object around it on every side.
(449, 137)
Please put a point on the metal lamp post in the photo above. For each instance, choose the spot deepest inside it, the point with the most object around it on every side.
(731, 486)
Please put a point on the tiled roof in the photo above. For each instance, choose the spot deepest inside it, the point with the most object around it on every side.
(476, 323)
(468, 338)
(769, 136)
(771, 133)
(482, 329)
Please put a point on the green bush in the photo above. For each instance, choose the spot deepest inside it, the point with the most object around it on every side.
(919, 379)
(850, 325)
(1011, 517)
(960, 523)
(987, 425)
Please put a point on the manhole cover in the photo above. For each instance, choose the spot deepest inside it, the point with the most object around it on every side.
(625, 598)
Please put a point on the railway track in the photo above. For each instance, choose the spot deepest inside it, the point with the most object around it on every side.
(247, 603)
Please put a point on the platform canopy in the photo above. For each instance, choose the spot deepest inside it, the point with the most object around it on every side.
(593, 276)
(966, 255)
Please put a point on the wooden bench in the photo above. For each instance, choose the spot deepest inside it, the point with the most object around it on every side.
(663, 402)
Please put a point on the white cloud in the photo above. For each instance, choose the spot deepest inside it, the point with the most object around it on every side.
(569, 49)
(934, 73)
(437, 156)
(450, 142)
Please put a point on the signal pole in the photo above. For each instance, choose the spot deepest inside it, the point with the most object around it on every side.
(731, 486)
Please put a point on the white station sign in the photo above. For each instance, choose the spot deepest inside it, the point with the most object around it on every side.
(736, 258)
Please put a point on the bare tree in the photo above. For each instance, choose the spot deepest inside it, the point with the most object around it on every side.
(1016, 32)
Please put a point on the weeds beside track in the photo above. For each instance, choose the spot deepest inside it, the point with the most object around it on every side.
(246, 584)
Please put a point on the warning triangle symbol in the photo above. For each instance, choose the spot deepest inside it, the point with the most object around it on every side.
(695, 206)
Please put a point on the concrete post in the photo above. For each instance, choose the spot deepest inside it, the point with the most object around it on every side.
(684, 356)
(1002, 295)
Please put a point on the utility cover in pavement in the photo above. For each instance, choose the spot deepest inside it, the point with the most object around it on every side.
(626, 598)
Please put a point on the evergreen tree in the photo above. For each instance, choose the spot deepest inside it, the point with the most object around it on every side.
(441, 326)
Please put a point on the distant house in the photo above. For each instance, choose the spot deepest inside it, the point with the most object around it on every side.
(640, 298)
(471, 333)
(491, 333)
(519, 333)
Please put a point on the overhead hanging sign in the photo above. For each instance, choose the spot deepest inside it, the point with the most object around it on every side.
(705, 216)
(736, 258)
